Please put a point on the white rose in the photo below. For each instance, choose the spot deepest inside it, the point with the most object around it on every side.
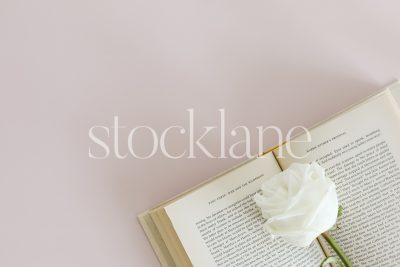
(299, 203)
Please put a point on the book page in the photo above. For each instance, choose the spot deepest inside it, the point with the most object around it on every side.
(360, 150)
(155, 239)
(219, 224)
(395, 91)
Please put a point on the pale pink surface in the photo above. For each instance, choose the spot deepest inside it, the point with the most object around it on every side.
(68, 65)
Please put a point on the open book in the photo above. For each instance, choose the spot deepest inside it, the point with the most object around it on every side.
(217, 223)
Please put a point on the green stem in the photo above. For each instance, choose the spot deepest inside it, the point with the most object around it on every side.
(335, 246)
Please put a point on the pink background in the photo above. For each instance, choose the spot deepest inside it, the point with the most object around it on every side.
(68, 65)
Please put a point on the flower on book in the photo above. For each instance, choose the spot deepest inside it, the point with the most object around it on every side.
(299, 204)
